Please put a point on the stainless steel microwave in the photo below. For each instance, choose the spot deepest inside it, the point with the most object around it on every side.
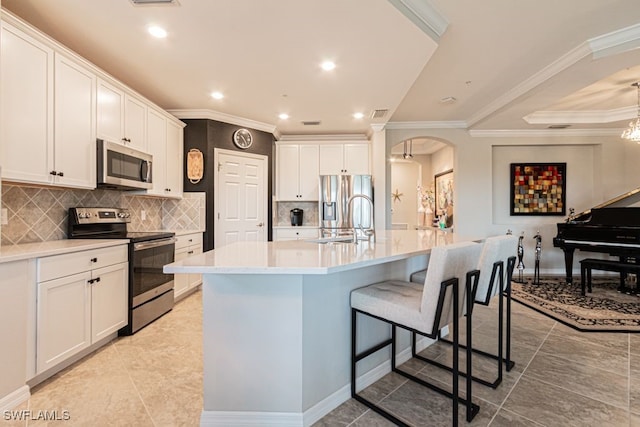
(123, 168)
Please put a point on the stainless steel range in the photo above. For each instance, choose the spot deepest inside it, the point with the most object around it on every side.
(150, 289)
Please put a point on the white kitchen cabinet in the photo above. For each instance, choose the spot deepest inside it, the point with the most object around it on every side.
(352, 159)
(75, 125)
(121, 116)
(297, 167)
(187, 245)
(294, 233)
(175, 159)
(165, 144)
(26, 106)
(15, 278)
(48, 114)
(82, 298)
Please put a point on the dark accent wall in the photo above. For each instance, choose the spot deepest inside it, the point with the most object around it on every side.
(205, 135)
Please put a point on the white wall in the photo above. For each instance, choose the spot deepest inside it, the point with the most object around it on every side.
(598, 169)
(405, 176)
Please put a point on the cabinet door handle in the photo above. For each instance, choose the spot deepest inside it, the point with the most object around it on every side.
(94, 259)
(97, 279)
(190, 252)
(60, 173)
(191, 240)
(53, 173)
(260, 224)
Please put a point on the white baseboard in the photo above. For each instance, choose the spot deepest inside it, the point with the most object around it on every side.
(15, 398)
(313, 414)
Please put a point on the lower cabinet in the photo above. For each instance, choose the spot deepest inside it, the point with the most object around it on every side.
(78, 306)
(294, 233)
(187, 245)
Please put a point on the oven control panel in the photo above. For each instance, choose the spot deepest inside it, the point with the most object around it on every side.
(99, 215)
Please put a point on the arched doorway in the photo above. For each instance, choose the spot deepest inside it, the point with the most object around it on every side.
(419, 172)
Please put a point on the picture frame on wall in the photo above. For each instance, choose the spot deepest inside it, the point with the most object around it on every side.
(443, 183)
(538, 189)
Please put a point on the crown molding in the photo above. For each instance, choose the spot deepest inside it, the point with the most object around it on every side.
(592, 116)
(453, 124)
(535, 133)
(424, 16)
(532, 82)
(336, 137)
(223, 117)
(597, 47)
(615, 42)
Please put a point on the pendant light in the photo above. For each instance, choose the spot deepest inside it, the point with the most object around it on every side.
(633, 132)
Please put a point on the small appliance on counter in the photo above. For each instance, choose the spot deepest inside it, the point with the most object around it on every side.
(296, 217)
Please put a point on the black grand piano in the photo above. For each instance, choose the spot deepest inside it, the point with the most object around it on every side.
(607, 228)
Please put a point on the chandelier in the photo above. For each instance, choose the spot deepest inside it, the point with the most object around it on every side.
(633, 132)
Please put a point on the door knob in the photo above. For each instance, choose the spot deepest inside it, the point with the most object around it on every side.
(260, 224)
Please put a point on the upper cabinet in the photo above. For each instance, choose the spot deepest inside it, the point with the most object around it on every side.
(165, 144)
(297, 167)
(121, 117)
(348, 158)
(75, 124)
(47, 114)
(26, 107)
(53, 106)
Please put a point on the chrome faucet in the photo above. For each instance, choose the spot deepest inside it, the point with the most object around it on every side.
(369, 233)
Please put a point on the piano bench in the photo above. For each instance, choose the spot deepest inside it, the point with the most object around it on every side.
(588, 264)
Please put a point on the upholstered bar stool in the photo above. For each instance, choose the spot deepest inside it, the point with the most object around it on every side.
(497, 251)
(423, 309)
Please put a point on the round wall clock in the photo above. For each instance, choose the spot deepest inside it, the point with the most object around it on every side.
(242, 138)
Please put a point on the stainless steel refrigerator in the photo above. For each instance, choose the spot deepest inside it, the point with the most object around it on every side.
(338, 217)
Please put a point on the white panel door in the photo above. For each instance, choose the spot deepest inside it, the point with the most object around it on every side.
(240, 197)
(109, 300)
(309, 172)
(356, 159)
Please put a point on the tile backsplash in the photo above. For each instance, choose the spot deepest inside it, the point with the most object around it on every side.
(37, 214)
(309, 216)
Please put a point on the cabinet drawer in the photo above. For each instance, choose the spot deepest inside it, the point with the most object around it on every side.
(55, 266)
(295, 233)
(188, 240)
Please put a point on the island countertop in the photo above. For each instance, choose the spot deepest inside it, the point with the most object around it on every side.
(309, 257)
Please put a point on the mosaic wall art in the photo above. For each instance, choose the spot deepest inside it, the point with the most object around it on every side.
(538, 188)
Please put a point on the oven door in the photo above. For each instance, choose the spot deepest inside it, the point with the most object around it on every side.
(147, 278)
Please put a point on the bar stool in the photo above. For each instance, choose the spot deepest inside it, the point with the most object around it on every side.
(496, 251)
(423, 309)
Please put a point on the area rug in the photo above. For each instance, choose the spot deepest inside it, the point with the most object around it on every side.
(603, 310)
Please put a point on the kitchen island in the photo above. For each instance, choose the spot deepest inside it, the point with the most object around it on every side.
(276, 322)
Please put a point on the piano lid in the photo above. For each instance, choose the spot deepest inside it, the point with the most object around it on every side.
(622, 200)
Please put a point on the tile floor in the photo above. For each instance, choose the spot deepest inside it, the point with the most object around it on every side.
(562, 378)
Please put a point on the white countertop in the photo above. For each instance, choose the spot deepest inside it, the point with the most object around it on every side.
(10, 253)
(304, 257)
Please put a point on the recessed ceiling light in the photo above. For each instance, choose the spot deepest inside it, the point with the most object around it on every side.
(284, 116)
(158, 32)
(328, 65)
(358, 115)
(217, 95)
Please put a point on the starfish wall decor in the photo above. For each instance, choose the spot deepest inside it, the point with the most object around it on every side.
(396, 195)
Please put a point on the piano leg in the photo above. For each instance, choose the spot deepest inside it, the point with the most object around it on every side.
(568, 263)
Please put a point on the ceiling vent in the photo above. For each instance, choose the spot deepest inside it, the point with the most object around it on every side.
(378, 114)
(156, 2)
(558, 126)
(311, 122)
